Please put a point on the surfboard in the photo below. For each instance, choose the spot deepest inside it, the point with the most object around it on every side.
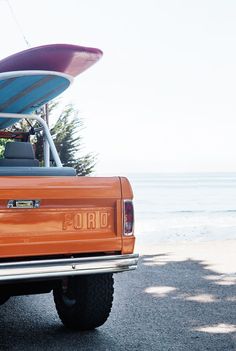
(64, 58)
(26, 91)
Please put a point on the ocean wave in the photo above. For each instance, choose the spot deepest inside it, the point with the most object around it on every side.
(202, 211)
(152, 213)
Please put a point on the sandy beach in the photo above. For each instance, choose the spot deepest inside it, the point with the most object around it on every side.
(217, 255)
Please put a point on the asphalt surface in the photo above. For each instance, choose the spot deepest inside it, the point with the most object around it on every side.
(164, 305)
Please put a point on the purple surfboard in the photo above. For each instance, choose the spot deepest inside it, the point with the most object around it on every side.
(64, 58)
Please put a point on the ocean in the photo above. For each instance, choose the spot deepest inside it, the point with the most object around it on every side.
(184, 207)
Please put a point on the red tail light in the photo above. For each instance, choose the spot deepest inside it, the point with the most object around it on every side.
(128, 218)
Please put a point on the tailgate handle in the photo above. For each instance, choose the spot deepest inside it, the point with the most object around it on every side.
(23, 204)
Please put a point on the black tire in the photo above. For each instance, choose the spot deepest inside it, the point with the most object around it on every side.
(3, 299)
(84, 302)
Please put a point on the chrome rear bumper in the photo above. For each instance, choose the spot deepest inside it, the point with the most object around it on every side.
(25, 270)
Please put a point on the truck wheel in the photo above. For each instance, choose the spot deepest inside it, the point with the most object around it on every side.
(4, 299)
(84, 302)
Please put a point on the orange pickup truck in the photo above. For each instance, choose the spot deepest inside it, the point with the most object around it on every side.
(58, 232)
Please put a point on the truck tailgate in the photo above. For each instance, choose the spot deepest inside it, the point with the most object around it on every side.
(74, 215)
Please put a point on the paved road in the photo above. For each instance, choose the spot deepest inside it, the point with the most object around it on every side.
(164, 305)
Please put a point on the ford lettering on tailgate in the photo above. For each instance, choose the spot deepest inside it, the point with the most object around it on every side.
(89, 219)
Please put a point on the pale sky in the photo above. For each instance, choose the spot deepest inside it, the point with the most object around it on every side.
(162, 99)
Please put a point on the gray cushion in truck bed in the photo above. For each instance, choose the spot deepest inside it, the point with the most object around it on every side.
(37, 171)
(19, 154)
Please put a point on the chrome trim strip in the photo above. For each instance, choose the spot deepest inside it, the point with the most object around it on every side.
(13, 271)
